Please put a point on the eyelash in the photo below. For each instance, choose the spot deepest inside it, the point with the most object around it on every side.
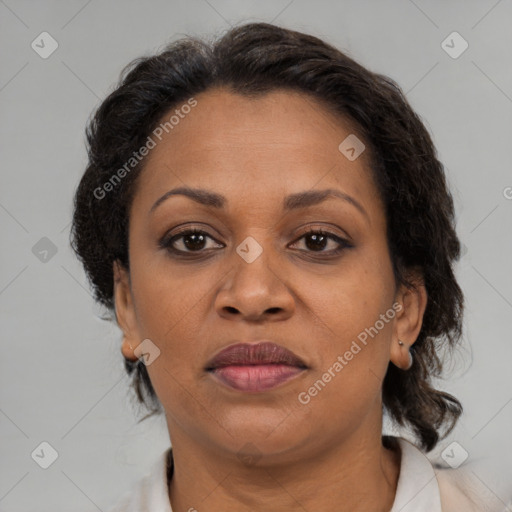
(167, 242)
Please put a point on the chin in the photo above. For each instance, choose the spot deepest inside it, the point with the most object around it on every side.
(268, 431)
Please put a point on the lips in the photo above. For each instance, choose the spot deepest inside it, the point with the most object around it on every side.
(264, 352)
(255, 367)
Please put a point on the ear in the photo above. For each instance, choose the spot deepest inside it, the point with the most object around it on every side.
(125, 311)
(409, 319)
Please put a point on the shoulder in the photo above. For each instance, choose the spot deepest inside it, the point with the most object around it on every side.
(425, 485)
(462, 489)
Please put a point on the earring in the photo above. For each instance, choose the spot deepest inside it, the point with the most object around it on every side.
(401, 343)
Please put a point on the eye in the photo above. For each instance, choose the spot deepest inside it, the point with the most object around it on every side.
(188, 241)
(316, 240)
(193, 240)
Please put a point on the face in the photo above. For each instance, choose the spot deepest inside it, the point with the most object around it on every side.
(270, 261)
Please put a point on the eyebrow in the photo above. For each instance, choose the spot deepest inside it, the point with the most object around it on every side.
(291, 202)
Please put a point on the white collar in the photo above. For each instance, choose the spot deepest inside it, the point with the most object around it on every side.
(417, 489)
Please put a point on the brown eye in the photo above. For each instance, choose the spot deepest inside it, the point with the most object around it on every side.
(318, 240)
(188, 241)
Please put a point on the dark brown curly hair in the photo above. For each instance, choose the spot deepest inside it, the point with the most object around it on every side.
(253, 59)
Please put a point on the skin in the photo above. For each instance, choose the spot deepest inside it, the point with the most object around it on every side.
(327, 454)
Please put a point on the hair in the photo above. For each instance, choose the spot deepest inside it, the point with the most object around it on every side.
(252, 60)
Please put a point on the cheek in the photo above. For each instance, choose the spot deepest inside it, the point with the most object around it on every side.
(352, 351)
(166, 297)
(355, 324)
(172, 314)
(355, 298)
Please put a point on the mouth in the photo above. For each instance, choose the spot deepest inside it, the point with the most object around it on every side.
(255, 367)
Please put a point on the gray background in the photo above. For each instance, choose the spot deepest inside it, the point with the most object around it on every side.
(62, 379)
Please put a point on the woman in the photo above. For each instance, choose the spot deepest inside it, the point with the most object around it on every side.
(272, 227)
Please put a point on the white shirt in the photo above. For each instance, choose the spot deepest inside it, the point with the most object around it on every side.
(421, 488)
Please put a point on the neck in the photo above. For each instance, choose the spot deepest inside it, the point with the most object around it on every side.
(358, 475)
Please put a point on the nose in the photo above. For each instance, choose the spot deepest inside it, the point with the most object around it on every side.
(255, 292)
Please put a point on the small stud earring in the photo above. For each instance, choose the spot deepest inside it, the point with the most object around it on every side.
(400, 342)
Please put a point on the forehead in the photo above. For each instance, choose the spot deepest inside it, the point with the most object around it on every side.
(226, 120)
(275, 144)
